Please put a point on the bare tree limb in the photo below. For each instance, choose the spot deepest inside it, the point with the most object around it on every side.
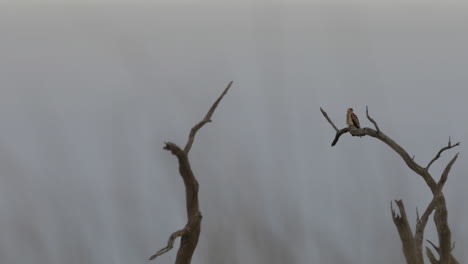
(338, 135)
(443, 230)
(404, 230)
(329, 120)
(372, 120)
(205, 120)
(412, 245)
(449, 146)
(366, 131)
(191, 232)
(433, 245)
(421, 225)
(447, 169)
(170, 243)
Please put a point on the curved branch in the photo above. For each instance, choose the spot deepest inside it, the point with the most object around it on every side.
(433, 245)
(338, 135)
(431, 257)
(412, 246)
(205, 120)
(170, 243)
(191, 233)
(447, 169)
(366, 131)
(449, 146)
(372, 120)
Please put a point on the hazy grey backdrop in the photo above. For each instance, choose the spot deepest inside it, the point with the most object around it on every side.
(89, 92)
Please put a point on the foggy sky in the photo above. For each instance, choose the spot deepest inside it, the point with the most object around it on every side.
(90, 92)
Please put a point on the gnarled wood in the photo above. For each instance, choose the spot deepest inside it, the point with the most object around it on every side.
(412, 244)
(191, 232)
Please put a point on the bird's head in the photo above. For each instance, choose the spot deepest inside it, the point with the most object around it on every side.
(350, 110)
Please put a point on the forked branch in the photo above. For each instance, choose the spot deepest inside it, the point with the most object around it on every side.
(191, 233)
(170, 243)
(449, 146)
(412, 245)
(205, 120)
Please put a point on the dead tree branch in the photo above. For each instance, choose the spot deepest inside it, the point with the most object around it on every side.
(372, 120)
(449, 146)
(170, 244)
(412, 245)
(404, 230)
(191, 232)
(447, 169)
(205, 120)
(366, 131)
(329, 120)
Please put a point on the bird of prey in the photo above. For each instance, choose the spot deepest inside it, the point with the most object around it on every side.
(351, 119)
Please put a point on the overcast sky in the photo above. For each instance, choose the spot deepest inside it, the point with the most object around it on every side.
(89, 93)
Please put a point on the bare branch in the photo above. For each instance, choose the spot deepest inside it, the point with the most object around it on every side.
(372, 120)
(417, 215)
(445, 173)
(170, 243)
(404, 230)
(421, 223)
(443, 230)
(338, 135)
(339, 132)
(366, 131)
(433, 245)
(191, 233)
(329, 120)
(205, 120)
(449, 146)
(412, 245)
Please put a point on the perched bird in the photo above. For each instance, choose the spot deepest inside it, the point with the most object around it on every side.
(351, 119)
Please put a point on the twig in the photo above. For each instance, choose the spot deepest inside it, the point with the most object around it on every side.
(205, 120)
(417, 215)
(329, 120)
(372, 120)
(445, 173)
(433, 245)
(449, 146)
(170, 243)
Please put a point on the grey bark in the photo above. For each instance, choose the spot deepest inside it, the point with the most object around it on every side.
(412, 243)
(191, 232)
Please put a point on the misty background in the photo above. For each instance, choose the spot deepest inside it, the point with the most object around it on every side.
(89, 93)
